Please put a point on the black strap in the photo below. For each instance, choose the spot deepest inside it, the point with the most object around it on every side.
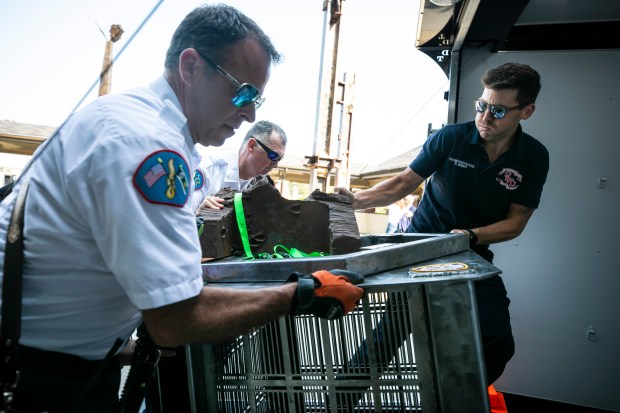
(6, 190)
(142, 372)
(78, 405)
(473, 237)
(10, 329)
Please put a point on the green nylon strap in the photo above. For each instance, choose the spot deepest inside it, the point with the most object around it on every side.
(295, 253)
(245, 239)
(243, 229)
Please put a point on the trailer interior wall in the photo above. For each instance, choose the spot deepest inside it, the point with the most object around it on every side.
(563, 272)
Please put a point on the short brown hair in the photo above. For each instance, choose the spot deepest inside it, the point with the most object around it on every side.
(514, 76)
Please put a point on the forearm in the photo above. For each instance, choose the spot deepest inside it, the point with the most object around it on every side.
(377, 196)
(388, 191)
(509, 228)
(498, 232)
(217, 314)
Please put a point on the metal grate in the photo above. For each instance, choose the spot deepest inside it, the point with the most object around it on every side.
(362, 363)
(365, 362)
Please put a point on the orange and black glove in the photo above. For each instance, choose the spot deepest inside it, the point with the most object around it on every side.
(326, 294)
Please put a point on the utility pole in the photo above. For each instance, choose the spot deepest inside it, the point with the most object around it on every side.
(321, 153)
(105, 78)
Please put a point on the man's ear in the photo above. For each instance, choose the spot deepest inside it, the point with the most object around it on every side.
(189, 65)
(528, 111)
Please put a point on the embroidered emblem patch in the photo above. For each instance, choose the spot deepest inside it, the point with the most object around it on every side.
(162, 178)
(509, 178)
(199, 179)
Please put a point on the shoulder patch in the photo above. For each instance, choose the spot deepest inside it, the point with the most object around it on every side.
(162, 178)
(199, 179)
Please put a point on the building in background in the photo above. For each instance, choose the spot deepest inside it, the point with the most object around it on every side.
(292, 176)
(18, 141)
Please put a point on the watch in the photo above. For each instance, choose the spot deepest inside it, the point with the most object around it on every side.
(473, 238)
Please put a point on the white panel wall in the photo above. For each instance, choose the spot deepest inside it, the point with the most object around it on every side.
(563, 272)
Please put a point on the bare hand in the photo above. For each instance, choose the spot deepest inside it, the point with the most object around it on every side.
(211, 202)
(344, 191)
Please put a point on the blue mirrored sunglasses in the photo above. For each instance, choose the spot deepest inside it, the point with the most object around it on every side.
(272, 155)
(497, 111)
(246, 92)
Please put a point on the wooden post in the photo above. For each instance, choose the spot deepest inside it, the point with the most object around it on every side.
(105, 79)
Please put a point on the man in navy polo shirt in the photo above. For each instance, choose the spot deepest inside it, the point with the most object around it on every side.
(486, 178)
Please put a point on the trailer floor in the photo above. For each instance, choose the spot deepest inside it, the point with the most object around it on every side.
(523, 404)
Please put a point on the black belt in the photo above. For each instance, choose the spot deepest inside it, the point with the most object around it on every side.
(36, 359)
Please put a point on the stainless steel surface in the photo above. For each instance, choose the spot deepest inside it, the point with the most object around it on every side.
(412, 345)
(391, 251)
(399, 276)
(457, 347)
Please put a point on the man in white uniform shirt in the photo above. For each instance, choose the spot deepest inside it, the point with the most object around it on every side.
(109, 236)
(261, 150)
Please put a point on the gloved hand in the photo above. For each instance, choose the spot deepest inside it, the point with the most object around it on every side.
(326, 294)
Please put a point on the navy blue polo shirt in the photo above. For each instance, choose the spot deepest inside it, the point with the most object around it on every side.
(466, 190)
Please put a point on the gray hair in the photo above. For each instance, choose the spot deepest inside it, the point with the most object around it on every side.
(262, 131)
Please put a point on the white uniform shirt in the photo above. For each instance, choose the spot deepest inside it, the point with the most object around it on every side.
(102, 239)
(219, 170)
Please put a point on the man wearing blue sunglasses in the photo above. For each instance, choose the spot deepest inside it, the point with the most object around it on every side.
(261, 150)
(108, 239)
(485, 181)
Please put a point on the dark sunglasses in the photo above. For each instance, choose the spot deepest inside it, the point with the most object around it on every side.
(497, 111)
(272, 155)
(246, 93)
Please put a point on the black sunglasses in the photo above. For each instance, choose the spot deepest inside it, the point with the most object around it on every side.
(246, 92)
(272, 155)
(498, 111)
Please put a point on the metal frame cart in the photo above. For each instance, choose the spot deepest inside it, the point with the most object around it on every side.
(413, 344)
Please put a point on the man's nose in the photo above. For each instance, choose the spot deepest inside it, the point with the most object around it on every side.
(248, 112)
(487, 116)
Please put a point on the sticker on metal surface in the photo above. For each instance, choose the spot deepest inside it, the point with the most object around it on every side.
(443, 268)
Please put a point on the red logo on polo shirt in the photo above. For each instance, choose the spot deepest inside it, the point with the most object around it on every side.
(509, 178)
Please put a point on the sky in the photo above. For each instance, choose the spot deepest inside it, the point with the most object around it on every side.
(52, 53)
